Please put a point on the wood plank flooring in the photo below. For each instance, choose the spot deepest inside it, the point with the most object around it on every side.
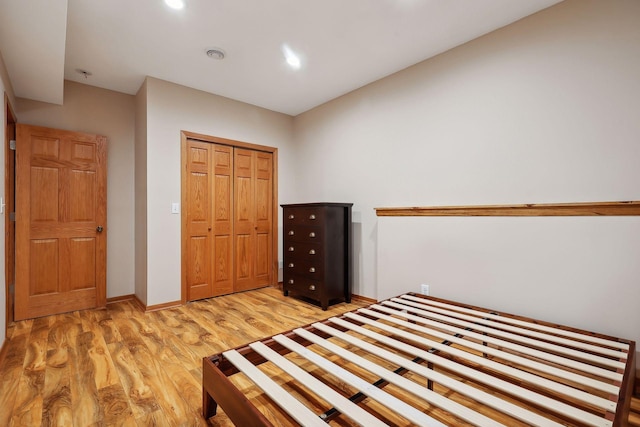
(121, 367)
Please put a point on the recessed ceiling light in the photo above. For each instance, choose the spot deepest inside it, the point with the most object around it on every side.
(291, 57)
(215, 53)
(175, 4)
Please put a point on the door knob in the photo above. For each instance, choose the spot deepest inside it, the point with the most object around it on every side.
(99, 229)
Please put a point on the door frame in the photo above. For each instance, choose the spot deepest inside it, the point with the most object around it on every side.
(184, 135)
(9, 195)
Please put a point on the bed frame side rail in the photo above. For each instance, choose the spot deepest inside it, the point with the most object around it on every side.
(218, 389)
(626, 388)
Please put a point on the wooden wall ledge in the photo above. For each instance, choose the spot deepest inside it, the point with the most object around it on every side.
(546, 209)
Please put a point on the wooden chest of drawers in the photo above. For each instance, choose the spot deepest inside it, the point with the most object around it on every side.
(318, 242)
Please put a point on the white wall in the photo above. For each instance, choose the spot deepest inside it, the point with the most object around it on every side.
(112, 114)
(170, 109)
(544, 110)
(576, 271)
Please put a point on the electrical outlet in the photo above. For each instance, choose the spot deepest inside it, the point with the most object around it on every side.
(424, 289)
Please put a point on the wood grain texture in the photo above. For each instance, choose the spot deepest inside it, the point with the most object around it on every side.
(547, 209)
(12, 368)
(481, 382)
(61, 180)
(244, 220)
(121, 366)
(27, 408)
(197, 206)
(230, 212)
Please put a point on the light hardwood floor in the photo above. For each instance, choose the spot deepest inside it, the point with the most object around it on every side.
(119, 366)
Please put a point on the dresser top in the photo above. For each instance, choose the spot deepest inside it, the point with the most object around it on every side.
(302, 205)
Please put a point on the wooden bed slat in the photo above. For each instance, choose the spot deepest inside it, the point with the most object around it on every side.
(522, 331)
(490, 368)
(550, 385)
(419, 391)
(288, 403)
(616, 364)
(494, 382)
(560, 373)
(341, 403)
(397, 405)
(476, 394)
(530, 325)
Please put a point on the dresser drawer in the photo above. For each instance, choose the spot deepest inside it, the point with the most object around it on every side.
(303, 250)
(308, 216)
(312, 269)
(309, 287)
(303, 233)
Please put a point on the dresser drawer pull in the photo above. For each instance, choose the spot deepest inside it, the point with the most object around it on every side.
(312, 216)
(290, 264)
(312, 234)
(292, 216)
(312, 270)
(312, 251)
(291, 249)
(312, 287)
(291, 232)
(290, 281)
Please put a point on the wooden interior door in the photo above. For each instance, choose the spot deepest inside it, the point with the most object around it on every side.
(222, 220)
(229, 214)
(252, 224)
(61, 215)
(198, 214)
(209, 213)
(264, 218)
(244, 219)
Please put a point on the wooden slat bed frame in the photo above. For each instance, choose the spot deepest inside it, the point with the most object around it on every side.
(418, 360)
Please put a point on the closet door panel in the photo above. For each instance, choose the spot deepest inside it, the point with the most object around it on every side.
(228, 219)
(223, 265)
(244, 227)
(243, 258)
(263, 218)
(199, 271)
(222, 220)
(263, 260)
(198, 205)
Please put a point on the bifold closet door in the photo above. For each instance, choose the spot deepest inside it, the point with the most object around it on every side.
(222, 220)
(253, 234)
(229, 231)
(209, 207)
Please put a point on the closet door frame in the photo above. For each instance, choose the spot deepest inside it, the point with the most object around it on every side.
(187, 135)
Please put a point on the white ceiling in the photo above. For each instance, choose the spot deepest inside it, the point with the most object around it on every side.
(344, 44)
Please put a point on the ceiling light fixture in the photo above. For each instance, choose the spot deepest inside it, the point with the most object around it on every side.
(175, 4)
(215, 53)
(291, 57)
